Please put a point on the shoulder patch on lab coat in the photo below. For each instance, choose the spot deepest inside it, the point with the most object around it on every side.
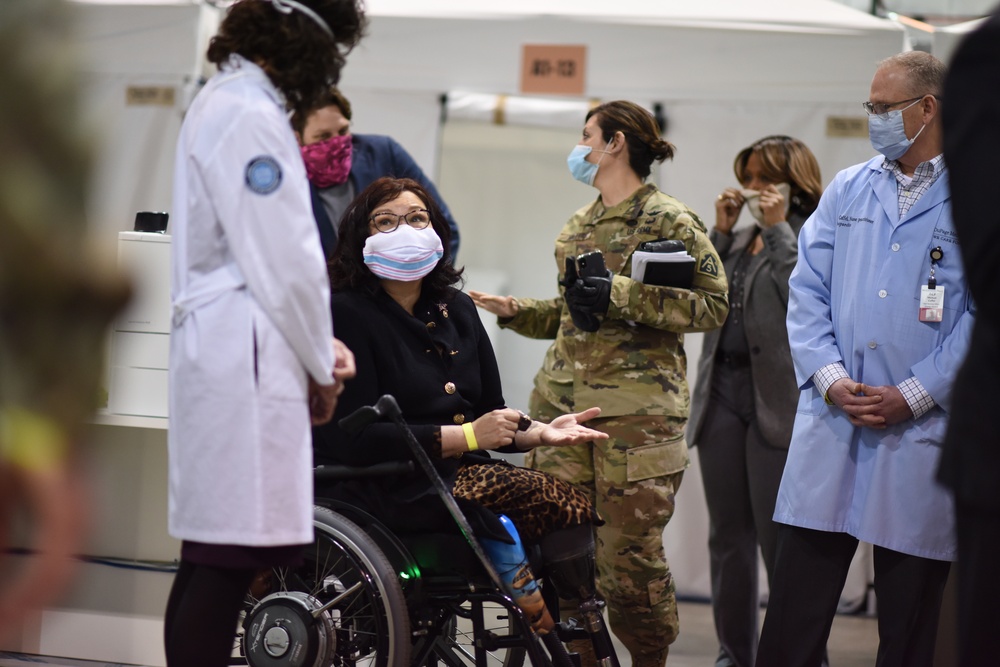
(263, 175)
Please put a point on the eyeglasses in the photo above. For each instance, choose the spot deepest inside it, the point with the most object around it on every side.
(386, 222)
(880, 109)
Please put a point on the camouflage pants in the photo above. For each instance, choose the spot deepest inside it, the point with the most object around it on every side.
(631, 478)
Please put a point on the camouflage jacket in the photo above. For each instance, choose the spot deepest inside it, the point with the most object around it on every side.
(635, 363)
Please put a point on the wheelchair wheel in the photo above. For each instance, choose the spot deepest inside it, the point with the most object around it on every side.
(457, 643)
(343, 607)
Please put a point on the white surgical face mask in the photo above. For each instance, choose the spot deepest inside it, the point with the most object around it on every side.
(888, 135)
(752, 198)
(404, 254)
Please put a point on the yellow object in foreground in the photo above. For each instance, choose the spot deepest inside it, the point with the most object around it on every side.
(29, 440)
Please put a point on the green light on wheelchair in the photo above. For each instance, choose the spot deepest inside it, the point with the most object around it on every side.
(413, 573)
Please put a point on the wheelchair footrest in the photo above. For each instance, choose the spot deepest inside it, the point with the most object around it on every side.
(570, 630)
(491, 641)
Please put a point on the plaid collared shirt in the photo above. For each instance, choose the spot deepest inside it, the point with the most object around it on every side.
(913, 188)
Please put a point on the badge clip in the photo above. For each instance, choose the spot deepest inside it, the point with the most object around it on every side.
(932, 296)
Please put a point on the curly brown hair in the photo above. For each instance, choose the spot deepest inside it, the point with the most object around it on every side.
(297, 54)
(347, 266)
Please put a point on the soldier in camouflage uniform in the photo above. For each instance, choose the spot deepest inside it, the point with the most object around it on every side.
(633, 367)
(57, 296)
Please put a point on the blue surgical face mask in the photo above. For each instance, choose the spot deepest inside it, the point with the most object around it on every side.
(584, 171)
(888, 135)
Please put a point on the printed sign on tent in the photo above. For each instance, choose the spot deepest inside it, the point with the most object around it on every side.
(553, 69)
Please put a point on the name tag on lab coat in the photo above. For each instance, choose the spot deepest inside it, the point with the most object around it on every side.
(931, 303)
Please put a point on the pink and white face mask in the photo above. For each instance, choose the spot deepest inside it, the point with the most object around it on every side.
(328, 162)
(404, 254)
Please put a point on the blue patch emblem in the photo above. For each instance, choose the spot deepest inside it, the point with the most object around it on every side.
(263, 175)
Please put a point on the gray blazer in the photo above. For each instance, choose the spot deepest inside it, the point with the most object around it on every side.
(765, 303)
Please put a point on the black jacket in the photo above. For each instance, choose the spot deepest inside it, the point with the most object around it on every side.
(971, 117)
(418, 359)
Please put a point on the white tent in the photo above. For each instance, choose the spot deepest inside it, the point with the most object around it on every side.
(766, 50)
(945, 40)
(774, 52)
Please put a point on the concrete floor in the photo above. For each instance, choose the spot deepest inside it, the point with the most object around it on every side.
(853, 643)
(853, 640)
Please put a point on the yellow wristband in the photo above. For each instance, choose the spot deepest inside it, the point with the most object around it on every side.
(470, 436)
(31, 441)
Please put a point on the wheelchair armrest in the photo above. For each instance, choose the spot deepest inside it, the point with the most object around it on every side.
(333, 473)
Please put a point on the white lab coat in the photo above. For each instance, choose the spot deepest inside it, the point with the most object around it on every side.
(251, 320)
(853, 298)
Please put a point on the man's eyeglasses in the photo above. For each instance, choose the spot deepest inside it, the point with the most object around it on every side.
(418, 218)
(880, 109)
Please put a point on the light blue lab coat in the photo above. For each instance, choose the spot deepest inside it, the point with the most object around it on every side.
(853, 298)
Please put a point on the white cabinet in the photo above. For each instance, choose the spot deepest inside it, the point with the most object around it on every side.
(140, 337)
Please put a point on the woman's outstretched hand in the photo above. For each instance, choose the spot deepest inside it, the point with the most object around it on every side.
(500, 427)
(562, 431)
(501, 306)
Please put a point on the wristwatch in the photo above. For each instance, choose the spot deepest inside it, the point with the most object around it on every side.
(524, 422)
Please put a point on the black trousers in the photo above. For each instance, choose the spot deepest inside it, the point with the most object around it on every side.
(810, 570)
(200, 621)
(741, 474)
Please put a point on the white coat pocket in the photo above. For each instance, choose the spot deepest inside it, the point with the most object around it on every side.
(277, 370)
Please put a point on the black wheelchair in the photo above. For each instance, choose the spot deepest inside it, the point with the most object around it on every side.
(365, 596)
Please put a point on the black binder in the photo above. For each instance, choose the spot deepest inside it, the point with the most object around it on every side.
(668, 272)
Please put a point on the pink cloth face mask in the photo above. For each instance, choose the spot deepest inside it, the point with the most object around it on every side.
(328, 162)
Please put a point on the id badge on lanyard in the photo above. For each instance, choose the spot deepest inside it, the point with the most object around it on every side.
(932, 294)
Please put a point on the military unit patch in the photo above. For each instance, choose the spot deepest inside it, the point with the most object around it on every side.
(263, 175)
(709, 265)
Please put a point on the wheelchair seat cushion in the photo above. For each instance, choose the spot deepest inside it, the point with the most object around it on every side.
(443, 554)
(423, 515)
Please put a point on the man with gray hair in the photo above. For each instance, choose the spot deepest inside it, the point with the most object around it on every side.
(879, 319)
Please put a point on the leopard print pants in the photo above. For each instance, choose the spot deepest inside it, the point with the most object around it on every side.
(536, 502)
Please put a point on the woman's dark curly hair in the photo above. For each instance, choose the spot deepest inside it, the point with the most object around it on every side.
(298, 56)
(347, 266)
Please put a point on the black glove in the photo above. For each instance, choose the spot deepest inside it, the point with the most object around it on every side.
(571, 274)
(588, 299)
(570, 279)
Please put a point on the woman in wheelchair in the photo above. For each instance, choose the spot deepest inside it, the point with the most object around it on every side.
(416, 336)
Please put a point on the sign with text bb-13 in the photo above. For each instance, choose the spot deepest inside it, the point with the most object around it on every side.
(556, 69)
